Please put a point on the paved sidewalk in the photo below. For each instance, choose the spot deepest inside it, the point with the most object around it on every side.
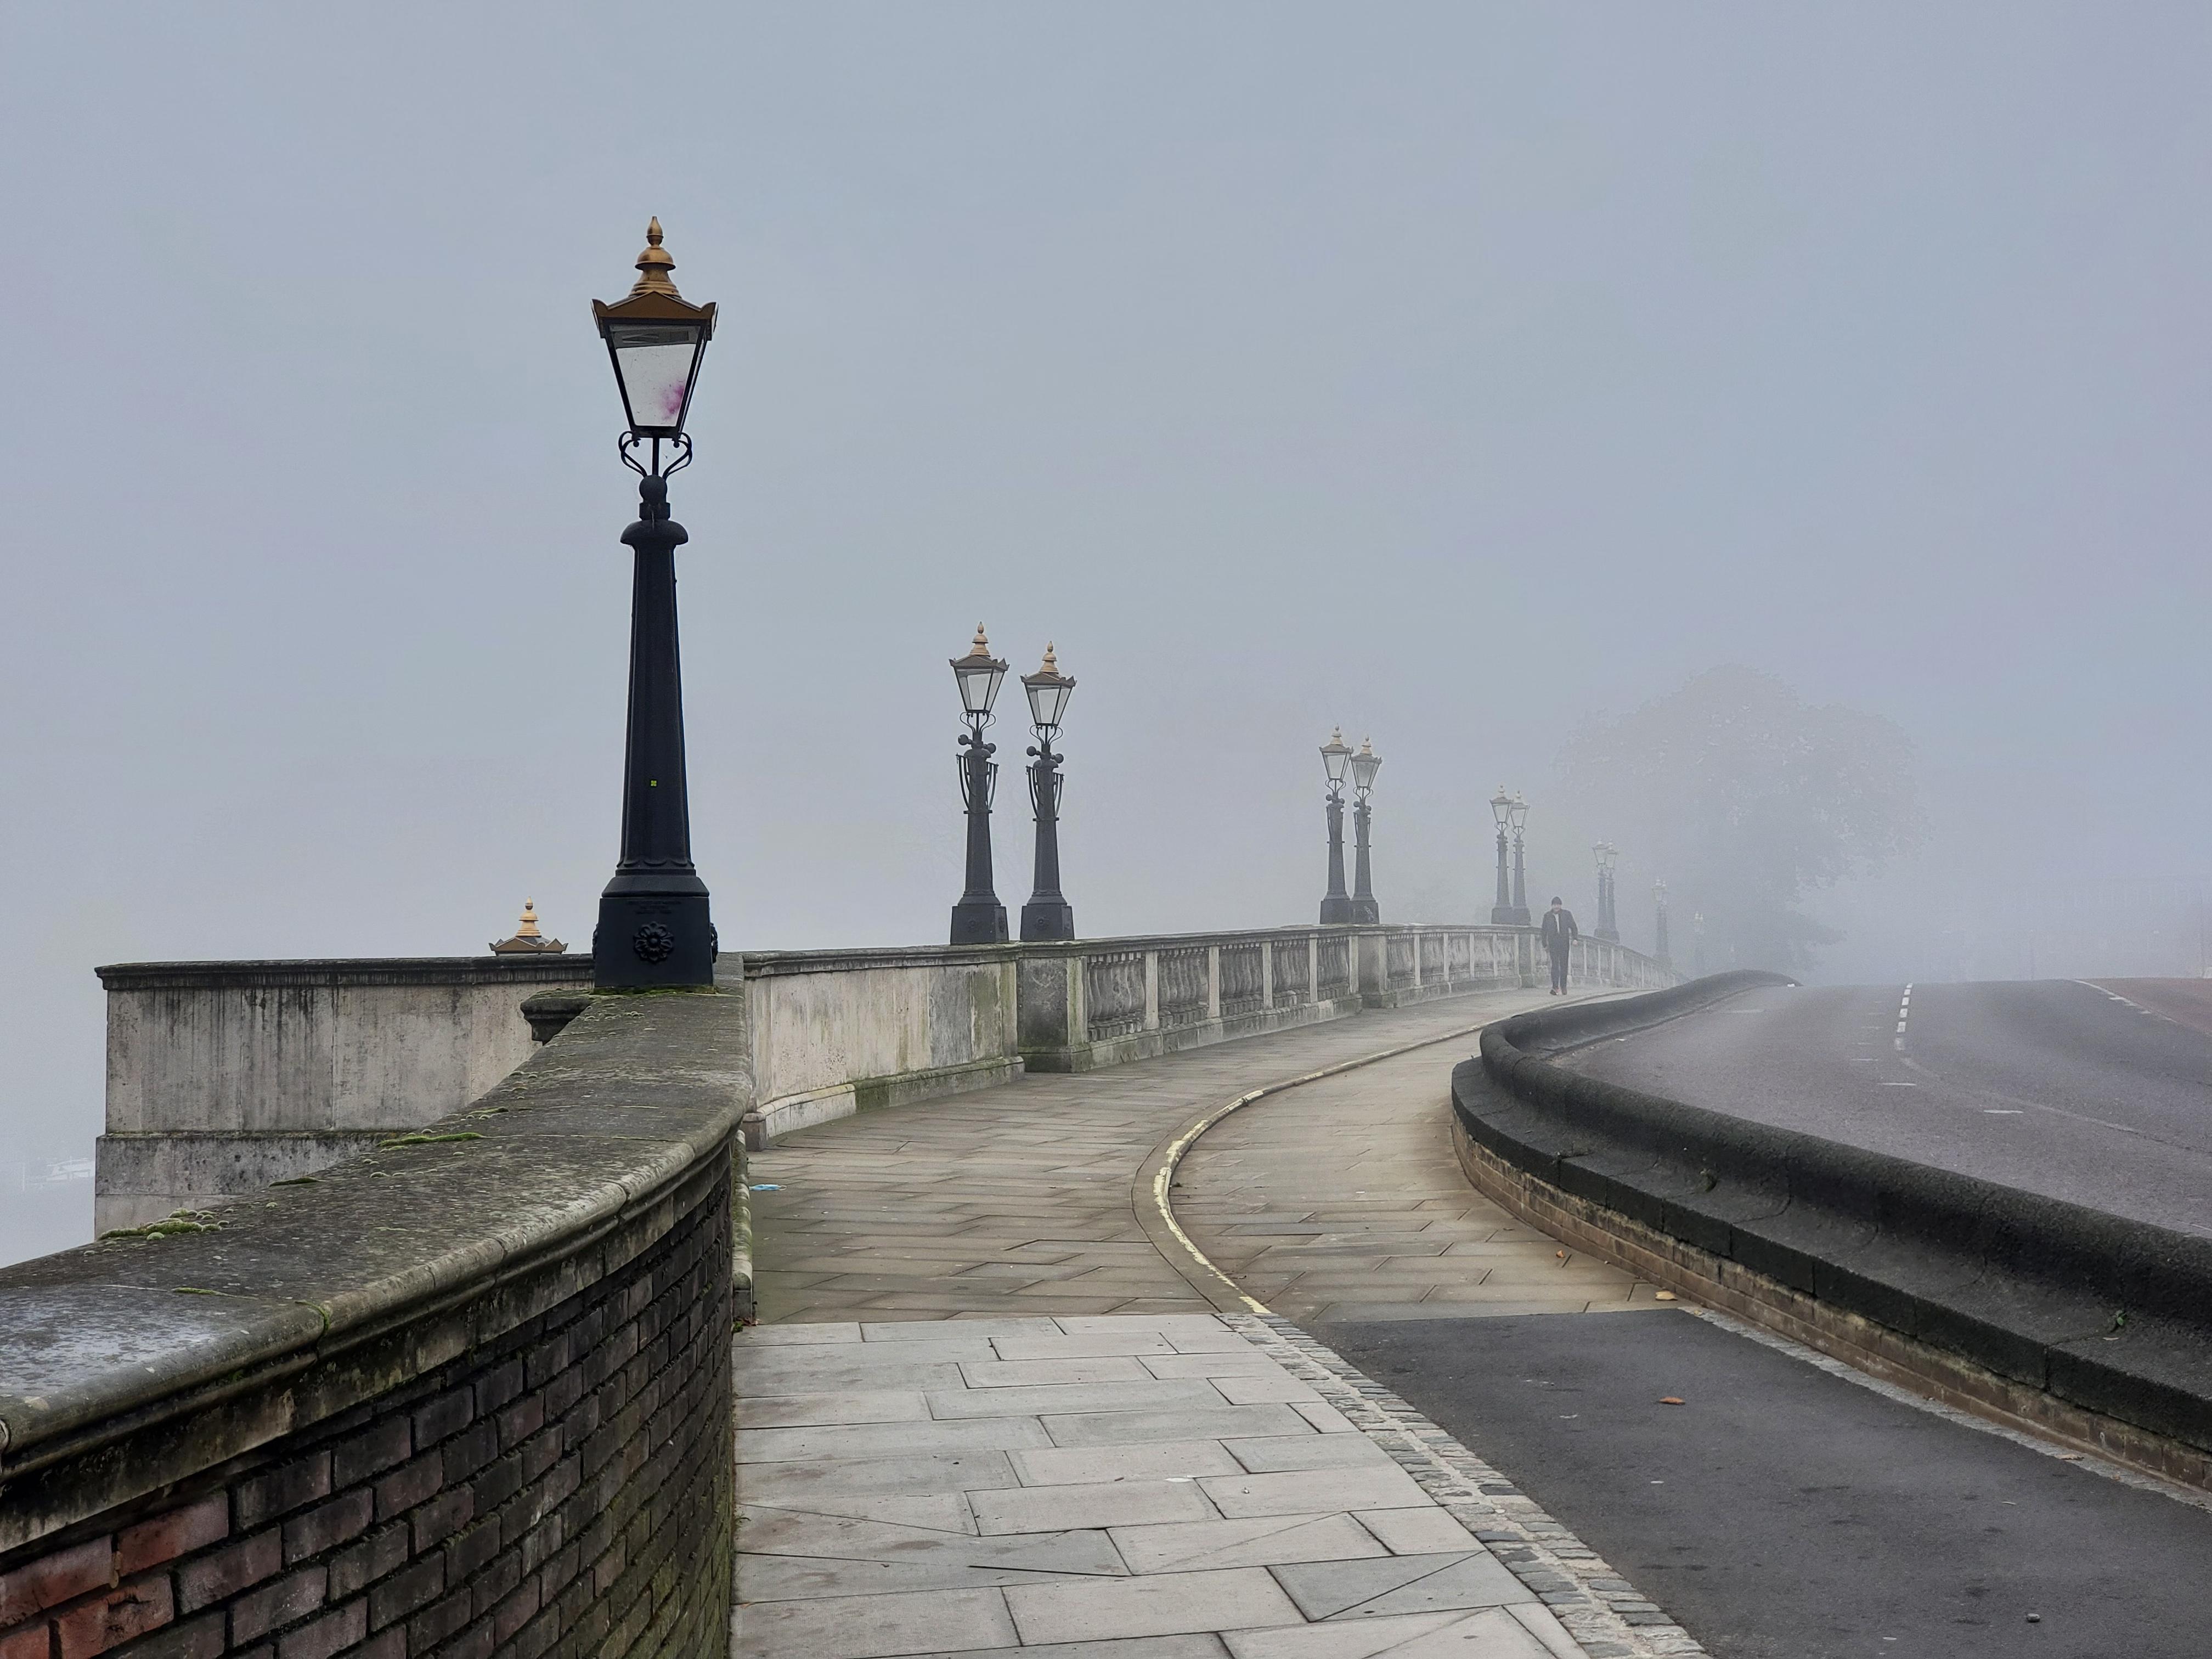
(1177, 1486)
(1016, 1199)
(1340, 1200)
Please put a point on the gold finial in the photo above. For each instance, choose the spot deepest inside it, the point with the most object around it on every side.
(526, 935)
(1367, 746)
(979, 647)
(1051, 662)
(653, 266)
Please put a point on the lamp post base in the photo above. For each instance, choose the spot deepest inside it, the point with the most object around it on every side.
(979, 922)
(1366, 910)
(1047, 919)
(1337, 910)
(651, 941)
(1610, 935)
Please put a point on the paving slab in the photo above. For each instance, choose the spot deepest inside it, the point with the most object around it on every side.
(1326, 1519)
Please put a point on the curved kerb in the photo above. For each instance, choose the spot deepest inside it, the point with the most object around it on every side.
(1152, 1192)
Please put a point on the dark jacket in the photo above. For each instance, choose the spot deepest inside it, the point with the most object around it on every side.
(1559, 928)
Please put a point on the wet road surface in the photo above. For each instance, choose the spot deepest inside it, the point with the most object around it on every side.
(2102, 1096)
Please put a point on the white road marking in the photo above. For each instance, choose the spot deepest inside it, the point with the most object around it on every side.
(1904, 1013)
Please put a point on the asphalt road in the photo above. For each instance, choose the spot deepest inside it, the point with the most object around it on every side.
(2100, 1095)
(1782, 1512)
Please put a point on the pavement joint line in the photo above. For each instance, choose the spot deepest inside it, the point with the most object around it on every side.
(1601, 1609)
(1156, 1173)
(2038, 1443)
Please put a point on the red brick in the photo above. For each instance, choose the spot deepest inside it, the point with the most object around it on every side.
(283, 1489)
(382, 1552)
(449, 1413)
(128, 1610)
(280, 1604)
(371, 1451)
(29, 1642)
(53, 1579)
(178, 1533)
(407, 1486)
(195, 1638)
(445, 1514)
(218, 1576)
(319, 1640)
(344, 1517)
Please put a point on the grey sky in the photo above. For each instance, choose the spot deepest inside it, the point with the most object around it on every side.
(1453, 372)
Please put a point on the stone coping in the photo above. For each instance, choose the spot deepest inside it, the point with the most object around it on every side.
(540, 968)
(147, 1356)
(573, 967)
(2112, 1317)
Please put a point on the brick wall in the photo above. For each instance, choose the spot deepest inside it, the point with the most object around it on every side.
(565, 1488)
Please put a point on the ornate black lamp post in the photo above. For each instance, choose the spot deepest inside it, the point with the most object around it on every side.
(1364, 765)
(1501, 808)
(653, 927)
(978, 918)
(1336, 905)
(1696, 944)
(1048, 914)
(1519, 813)
(1608, 926)
(1659, 919)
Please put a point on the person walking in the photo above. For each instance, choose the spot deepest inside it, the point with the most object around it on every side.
(1560, 931)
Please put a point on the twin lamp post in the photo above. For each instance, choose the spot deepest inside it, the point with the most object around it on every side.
(1337, 757)
(978, 918)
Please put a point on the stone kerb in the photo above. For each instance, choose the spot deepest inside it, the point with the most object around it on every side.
(2021, 1307)
(471, 1387)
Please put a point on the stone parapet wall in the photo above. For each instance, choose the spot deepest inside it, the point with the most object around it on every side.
(469, 1393)
(225, 1077)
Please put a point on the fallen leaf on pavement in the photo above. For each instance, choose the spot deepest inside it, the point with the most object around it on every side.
(1662, 1295)
(1670, 1399)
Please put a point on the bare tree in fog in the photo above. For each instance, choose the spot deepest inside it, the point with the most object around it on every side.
(1749, 797)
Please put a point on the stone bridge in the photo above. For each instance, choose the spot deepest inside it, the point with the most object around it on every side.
(406, 1337)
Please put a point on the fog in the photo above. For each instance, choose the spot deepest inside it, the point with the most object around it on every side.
(1459, 373)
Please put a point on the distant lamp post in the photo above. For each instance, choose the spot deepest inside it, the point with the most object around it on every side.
(1048, 914)
(1364, 765)
(653, 927)
(1501, 808)
(1659, 921)
(1519, 813)
(978, 918)
(1608, 926)
(1696, 944)
(1336, 905)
